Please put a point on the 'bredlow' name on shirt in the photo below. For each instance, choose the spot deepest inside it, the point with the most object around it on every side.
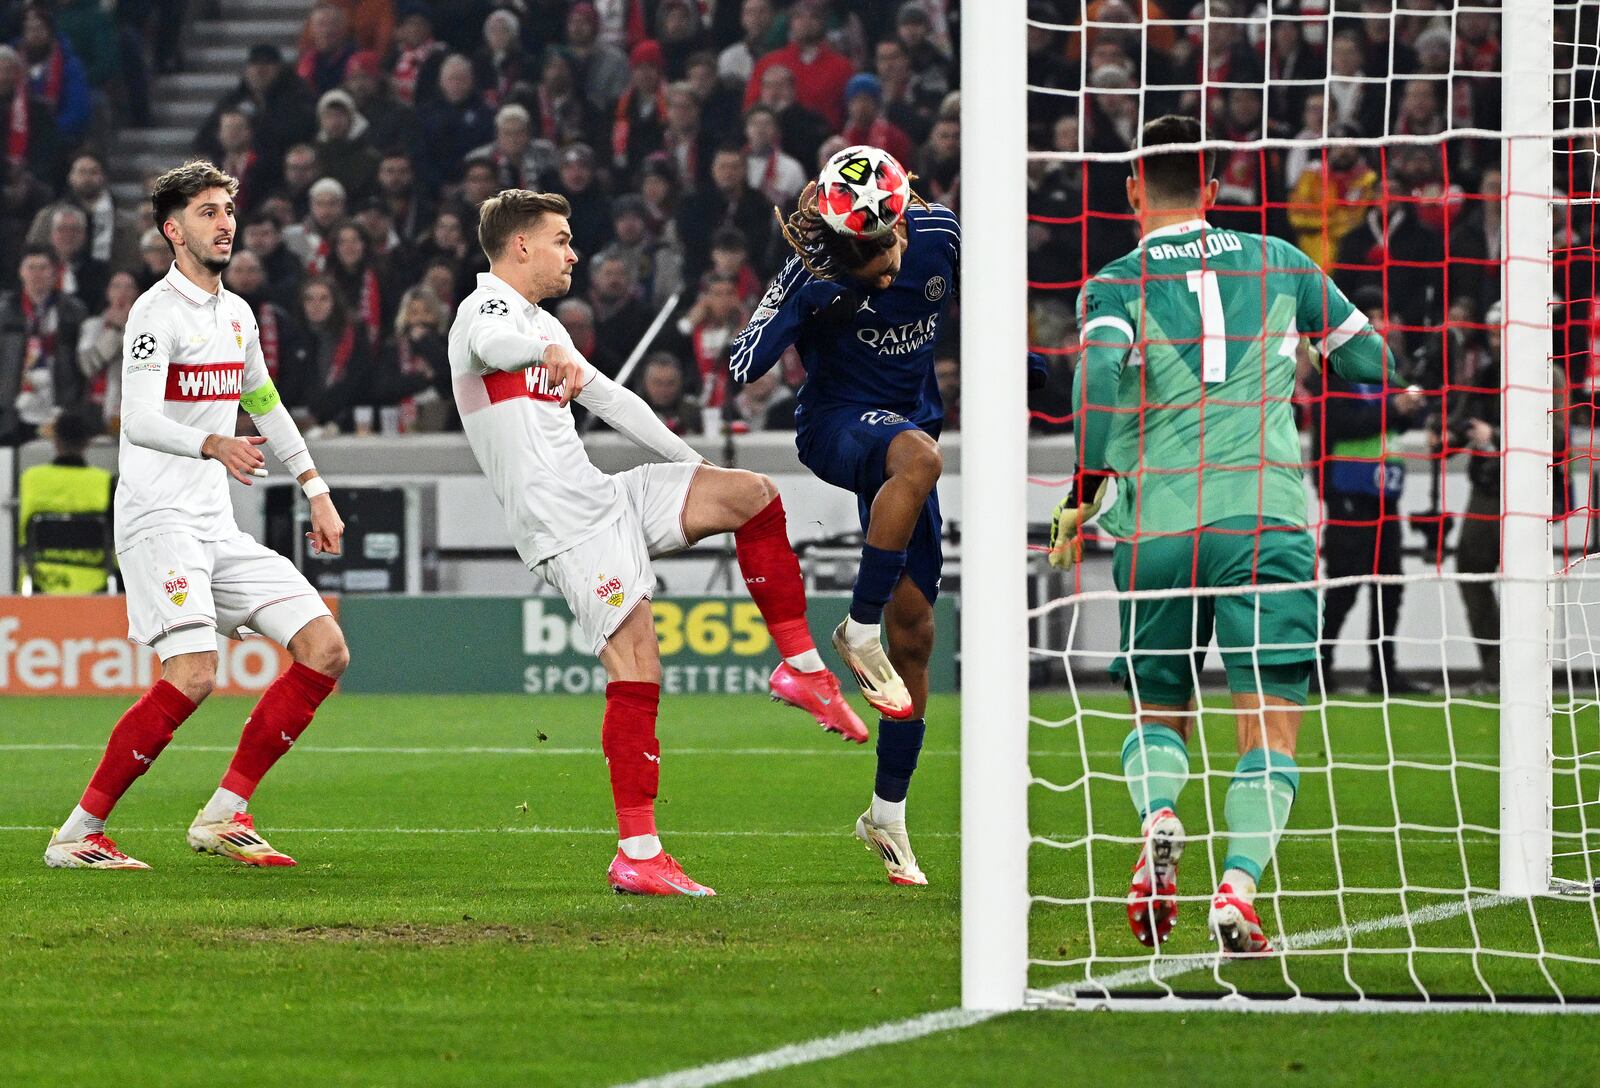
(1210, 245)
(205, 381)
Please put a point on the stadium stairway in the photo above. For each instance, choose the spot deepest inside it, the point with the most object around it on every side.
(221, 34)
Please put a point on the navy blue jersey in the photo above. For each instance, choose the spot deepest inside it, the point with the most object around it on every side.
(883, 359)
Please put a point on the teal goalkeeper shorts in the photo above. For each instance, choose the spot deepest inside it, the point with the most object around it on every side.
(1268, 640)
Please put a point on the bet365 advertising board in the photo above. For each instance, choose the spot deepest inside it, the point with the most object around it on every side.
(532, 645)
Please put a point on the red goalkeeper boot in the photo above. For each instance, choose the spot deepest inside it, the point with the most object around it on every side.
(1236, 925)
(1153, 893)
(818, 694)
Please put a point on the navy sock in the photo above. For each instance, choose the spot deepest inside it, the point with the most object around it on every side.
(875, 580)
(898, 745)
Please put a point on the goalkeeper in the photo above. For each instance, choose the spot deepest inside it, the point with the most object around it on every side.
(1189, 346)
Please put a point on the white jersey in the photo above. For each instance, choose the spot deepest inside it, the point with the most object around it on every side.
(523, 437)
(187, 358)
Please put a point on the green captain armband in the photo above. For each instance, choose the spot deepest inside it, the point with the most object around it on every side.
(260, 401)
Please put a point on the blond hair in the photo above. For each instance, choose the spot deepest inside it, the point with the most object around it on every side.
(514, 210)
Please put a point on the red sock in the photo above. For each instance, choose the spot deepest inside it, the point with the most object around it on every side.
(633, 755)
(772, 575)
(138, 738)
(277, 721)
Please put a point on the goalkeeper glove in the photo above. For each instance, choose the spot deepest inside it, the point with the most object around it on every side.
(1038, 370)
(1072, 514)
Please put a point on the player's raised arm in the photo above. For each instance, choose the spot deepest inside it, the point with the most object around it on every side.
(775, 324)
(627, 414)
(496, 341)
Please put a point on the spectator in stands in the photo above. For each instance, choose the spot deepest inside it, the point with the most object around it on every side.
(729, 201)
(640, 119)
(803, 130)
(620, 317)
(1476, 240)
(1475, 430)
(820, 73)
(659, 189)
(765, 404)
(31, 135)
(242, 159)
(931, 65)
(864, 120)
(737, 61)
(280, 329)
(281, 109)
(591, 208)
(906, 105)
(410, 212)
(721, 106)
(1297, 66)
(299, 172)
(500, 64)
(362, 284)
(563, 114)
(331, 369)
(776, 176)
(55, 74)
(947, 372)
(413, 61)
(1250, 194)
(1354, 101)
(100, 346)
(370, 22)
(343, 152)
(680, 35)
(577, 317)
(454, 122)
(391, 123)
(81, 276)
(1331, 198)
(87, 25)
(663, 390)
(414, 368)
(1418, 112)
(311, 238)
(519, 160)
(113, 234)
(325, 47)
(39, 326)
(938, 164)
(443, 279)
(601, 67)
(67, 485)
(682, 140)
(708, 327)
(282, 268)
(386, 246)
(479, 182)
(632, 241)
(155, 258)
(730, 256)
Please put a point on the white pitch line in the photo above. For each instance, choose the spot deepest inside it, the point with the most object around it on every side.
(787, 833)
(917, 1027)
(852, 751)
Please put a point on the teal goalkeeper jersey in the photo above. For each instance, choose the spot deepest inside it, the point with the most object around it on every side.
(1189, 347)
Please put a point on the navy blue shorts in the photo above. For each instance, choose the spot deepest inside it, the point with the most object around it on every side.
(849, 448)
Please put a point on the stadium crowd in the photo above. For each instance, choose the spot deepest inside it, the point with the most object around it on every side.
(673, 126)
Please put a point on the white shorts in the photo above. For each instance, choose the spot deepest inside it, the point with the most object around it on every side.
(604, 578)
(182, 592)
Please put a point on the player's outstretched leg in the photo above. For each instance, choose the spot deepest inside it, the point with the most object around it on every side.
(909, 618)
(1155, 761)
(749, 504)
(633, 757)
(138, 738)
(912, 465)
(1257, 810)
(224, 827)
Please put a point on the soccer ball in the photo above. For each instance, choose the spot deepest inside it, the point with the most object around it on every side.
(863, 191)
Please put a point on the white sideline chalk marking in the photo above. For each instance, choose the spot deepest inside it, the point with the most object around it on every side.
(610, 832)
(917, 1027)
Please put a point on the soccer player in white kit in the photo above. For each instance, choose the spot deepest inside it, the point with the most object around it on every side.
(191, 360)
(591, 535)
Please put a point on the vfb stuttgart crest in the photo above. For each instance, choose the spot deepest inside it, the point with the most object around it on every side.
(610, 591)
(238, 335)
(176, 587)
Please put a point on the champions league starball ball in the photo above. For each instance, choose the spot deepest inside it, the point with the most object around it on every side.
(862, 191)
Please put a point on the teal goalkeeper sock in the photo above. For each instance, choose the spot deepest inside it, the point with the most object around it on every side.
(1257, 808)
(1156, 763)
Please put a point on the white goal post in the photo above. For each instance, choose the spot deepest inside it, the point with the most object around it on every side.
(1545, 623)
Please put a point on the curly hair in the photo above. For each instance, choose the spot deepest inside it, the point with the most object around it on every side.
(824, 251)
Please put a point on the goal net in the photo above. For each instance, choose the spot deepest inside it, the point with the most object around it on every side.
(1442, 839)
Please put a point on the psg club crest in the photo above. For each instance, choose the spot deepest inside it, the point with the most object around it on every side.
(610, 591)
(176, 587)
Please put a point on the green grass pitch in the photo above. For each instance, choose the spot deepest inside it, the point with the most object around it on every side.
(449, 922)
